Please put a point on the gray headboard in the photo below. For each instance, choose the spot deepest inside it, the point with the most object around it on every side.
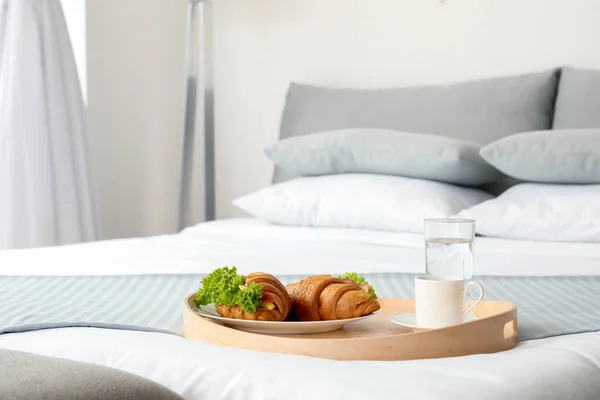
(480, 111)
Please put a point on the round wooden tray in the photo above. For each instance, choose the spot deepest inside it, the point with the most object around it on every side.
(375, 338)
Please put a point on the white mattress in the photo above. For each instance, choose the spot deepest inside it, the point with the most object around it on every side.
(555, 368)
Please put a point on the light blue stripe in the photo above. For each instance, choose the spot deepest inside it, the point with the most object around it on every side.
(128, 297)
(548, 306)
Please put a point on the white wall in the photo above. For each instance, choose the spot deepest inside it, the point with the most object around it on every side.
(261, 45)
(135, 95)
(135, 67)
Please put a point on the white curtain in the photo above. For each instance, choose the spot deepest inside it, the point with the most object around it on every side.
(45, 190)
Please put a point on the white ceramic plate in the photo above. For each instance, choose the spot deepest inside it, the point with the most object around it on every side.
(410, 321)
(276, 328)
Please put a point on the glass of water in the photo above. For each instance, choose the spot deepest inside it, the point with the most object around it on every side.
(449, 247)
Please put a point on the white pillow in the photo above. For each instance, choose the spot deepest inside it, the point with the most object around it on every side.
(366, 201)
(534, 211)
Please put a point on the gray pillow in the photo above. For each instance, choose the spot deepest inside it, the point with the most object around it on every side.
(386, 152)
(26, 376)
(556, 156)
(578, 100)
(479, 111)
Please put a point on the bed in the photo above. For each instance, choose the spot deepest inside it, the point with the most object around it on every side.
(552, 368)
(119, 303)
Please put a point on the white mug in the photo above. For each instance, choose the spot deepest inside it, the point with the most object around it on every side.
(439, 300)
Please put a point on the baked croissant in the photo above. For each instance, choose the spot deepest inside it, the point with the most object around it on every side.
(323, 297)
(275, 304)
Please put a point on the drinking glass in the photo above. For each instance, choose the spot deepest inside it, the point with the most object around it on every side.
(449, 248)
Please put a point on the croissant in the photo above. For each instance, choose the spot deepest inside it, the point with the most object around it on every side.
(323, 297)
(276, 303)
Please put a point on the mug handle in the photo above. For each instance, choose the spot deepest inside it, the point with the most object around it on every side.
(472, 306)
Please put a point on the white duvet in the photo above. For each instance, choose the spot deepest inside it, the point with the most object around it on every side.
(566, 367)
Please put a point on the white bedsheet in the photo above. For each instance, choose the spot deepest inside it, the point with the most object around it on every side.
(254, 245)
(557, 368)
(566, 367)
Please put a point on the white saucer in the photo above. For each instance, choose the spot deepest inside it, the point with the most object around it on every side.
(276, 328)
(410, 321)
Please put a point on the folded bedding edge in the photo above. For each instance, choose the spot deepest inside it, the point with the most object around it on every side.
(99, 325)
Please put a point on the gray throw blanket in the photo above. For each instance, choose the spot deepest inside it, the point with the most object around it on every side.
(25, 376)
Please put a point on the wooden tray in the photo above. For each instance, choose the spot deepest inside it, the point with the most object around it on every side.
(375, 338)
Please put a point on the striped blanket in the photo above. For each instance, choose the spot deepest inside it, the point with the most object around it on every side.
(547, 306)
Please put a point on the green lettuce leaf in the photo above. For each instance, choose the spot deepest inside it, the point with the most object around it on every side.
(359, 280)
(222, 286)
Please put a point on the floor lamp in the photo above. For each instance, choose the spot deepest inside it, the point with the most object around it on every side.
(198, 119)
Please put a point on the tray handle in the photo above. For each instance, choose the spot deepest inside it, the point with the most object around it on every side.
(507, 326)
(510, 329)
